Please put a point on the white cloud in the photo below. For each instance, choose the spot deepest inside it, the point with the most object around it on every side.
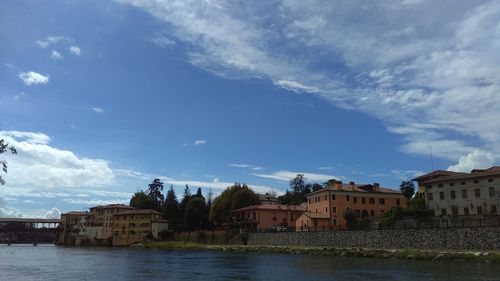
(55, 213)
(75, 50)
(98, 109)
(6, 211)
(285, 175)
(404, 62)
(55, 55)
(95, 202)
(38, 164)
(33, 78)
(478, 159)
(162, 41)
(199, 142)
(50, 40)
(247, 166)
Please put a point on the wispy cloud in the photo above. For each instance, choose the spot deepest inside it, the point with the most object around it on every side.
(55, 55)
(162, 41)
(285, 175)
(415, 71)
(50, 40)
(98, 109)
(246, 166)
(75, 50)
(33, 78)
(200, 142)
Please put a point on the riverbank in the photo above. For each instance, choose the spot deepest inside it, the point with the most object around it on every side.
(409, 254)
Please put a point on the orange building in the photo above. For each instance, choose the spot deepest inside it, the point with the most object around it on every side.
(268, 216)
(72, 226)
(102, 216)
(369, 200)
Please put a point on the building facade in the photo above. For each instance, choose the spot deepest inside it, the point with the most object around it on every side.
(135, 226)
(72, 225)
(102, 216)
(462, 194)
(269, 216)
(369, 200)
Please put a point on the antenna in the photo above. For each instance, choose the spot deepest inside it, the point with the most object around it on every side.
(432, 160)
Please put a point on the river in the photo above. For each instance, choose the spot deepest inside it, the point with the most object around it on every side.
(44, 262)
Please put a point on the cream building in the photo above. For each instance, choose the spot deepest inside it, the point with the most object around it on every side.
(462, 194)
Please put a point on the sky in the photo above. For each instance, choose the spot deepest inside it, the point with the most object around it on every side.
(101, 97)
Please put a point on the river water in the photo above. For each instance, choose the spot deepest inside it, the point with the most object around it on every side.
(23, 262)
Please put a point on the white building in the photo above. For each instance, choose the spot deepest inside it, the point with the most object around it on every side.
(461, 194)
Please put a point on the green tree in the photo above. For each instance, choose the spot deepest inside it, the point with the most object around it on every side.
(232, 198)
(195, 216)
(316, 187)
(408, 189)
(185, 198)
(171, 209)
(4, 147)
(351, 218)
(155, 190)
(141, 200)
(298, 184)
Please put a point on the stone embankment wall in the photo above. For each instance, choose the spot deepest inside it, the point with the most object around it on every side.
(486, 238)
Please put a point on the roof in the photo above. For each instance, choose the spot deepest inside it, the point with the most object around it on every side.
(316, 215)
(282, 207)
(493, 171)
(362, 188)
(75, 213)
(120, 206)
(138, 212)
(435, 174)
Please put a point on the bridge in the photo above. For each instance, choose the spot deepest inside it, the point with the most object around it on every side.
(29, 230)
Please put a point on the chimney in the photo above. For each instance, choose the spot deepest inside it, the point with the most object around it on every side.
(376, 186)
(338, 185)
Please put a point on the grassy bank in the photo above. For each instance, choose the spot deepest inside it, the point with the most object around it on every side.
(410, 254)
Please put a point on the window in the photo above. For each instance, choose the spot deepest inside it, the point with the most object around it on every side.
(355, 199)
(452, 184)
(493, 209)
(464, 193)
(466, 211)
(254, 215)
(429, 186)
(477, 192)
(347, 198)
(430, 196)
(441, 195)
(440, 185)
(398, 202)
(452, 194)
(326, 209)
(381, 201)
(372, 213)
(333, 196)
(454, 211)
(382, 211)
(479, 210)
(490, 180)
(309, 200)
(476, 181)
(363, 200)
(443, 212)
(491, 191)
(326, 197)
(334, 209)
(371, 200)
(334, 221)
(462, 183)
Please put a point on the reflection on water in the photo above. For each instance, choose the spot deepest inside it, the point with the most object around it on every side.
(64, 263)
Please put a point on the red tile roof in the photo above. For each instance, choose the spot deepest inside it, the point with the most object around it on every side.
(493, 171)
(363, 188)
(283, 207)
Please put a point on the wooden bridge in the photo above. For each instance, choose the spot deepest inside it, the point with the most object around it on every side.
(29, 230)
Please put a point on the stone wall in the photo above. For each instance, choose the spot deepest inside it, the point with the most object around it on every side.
(486, 238)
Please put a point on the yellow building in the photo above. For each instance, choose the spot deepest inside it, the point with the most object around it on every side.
(135, 226)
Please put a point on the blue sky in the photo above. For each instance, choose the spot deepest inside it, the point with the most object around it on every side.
(101, 97)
